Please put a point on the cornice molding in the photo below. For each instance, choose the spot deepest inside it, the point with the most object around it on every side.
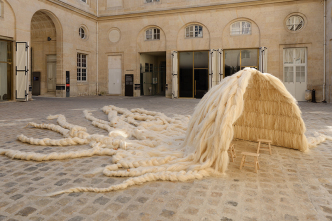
(172, 10)
(74, 9)
(196, 9)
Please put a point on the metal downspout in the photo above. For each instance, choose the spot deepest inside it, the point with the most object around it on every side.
(97, 47)
(324, 85)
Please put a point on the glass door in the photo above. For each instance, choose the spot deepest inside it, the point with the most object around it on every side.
(201, 73)
(193, 74)
(236, 60)
(295, 72)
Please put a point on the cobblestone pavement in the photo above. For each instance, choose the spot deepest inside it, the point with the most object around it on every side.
(290, 185)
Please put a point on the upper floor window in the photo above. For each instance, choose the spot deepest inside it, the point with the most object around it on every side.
(152, 34)
(82, 32)
(295, 23)
(83, 1)
(194, 31)
(241, 28)
(149, 1)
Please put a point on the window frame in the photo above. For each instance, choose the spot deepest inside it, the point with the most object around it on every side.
(84, 32)
(293, 25)
(241, 31)
(154, 33)
(80, 67)
(193, 31)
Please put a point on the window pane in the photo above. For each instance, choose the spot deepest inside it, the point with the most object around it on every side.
(288, 74)
(3, 51)
(83, 60)
(78, 74)
(187, 32)
(246, 28)
(288, 56)
(201, 59)
(232, 62)
(298, 74)
(249, 57)
(191, 35)
(235, 29)
(299, 55)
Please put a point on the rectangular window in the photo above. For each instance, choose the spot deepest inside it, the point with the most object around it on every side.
(149, 1)
(81, 67)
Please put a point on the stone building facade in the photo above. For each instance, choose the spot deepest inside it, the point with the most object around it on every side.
(160, 47)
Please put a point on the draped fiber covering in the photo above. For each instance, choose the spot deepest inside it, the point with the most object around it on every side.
(148, 146)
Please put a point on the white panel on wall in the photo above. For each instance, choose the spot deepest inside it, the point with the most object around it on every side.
(114, 74)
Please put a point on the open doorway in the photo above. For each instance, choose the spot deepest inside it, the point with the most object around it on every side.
(153, 73)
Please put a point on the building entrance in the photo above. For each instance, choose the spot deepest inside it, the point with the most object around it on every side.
(193, 73)
(5, 70)
(153, 73)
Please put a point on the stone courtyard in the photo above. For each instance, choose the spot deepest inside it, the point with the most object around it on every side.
(290, 185)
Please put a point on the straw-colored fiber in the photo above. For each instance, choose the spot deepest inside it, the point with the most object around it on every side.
(148, 146)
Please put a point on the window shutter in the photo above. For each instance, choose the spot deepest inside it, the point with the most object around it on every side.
(212, 67)
(174, 74)
(22, 71)
(263, 59)
(220, 64)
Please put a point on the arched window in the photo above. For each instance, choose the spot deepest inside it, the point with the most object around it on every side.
(152, 34)
(241, 28)
(295, 23)
(82, 32)
(194, 31)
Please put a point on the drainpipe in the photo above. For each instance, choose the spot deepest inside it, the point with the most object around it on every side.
(324, 85)
(97, 48)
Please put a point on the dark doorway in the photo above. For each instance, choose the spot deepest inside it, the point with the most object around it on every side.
(193, 74)
(35, 83)
(153, 73)
(129, 88)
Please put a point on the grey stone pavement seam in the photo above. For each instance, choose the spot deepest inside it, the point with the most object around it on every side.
(290, 185)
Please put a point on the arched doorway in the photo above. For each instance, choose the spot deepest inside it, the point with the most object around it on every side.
(46, 54)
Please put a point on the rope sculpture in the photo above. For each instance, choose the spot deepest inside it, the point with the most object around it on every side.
(148, 146)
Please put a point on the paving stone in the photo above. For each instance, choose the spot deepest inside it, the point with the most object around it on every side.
(101, 200)
(167, 213)
(88, 210)
(142, 199)
(122, 199)
(61, 182)
(76, 218)
(191, 211)
(26, 211)
(288, 185)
